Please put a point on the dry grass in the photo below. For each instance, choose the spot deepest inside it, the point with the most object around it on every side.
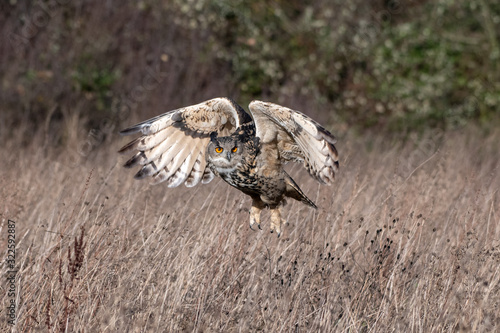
(407, 240)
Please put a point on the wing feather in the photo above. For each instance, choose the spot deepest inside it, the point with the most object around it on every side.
(298, 138)
(157, 153)
(172, 146)
(196, 172)
(144, 143)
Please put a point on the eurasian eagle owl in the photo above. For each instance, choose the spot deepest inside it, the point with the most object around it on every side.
(217, 137)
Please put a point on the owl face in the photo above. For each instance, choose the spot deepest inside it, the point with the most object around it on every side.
(225, 153)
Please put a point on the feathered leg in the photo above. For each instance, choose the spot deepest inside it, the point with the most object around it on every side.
(257, 207)
(276, 220)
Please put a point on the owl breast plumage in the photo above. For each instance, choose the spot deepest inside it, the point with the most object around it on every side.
(218, 138)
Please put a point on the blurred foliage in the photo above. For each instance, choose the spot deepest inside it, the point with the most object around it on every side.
(96, 81)
(407, 64)
(398, 65)
(440, 70)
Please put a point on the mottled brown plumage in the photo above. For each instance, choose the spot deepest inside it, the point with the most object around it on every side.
(218, 138)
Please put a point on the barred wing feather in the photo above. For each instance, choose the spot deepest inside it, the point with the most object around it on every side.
(172, 146)
(298, 138)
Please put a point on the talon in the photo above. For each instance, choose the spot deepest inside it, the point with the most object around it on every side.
(255, 220)
(255, 214)
(278, 232)
(277, 228)
(276, 221)
(258, 226)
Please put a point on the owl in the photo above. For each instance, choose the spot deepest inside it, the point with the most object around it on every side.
(218, 138)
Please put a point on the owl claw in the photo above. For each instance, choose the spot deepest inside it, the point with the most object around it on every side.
(276, 228)
(276, 221)
(278, 233)
(255, 215)
(255, 220)
(252, 224)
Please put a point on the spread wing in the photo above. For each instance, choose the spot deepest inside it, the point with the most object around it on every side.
(298, 138)
(172, 145)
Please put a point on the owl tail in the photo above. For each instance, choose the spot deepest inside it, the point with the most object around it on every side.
(293, 191)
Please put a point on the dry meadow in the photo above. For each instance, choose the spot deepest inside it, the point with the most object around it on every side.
(407, 240)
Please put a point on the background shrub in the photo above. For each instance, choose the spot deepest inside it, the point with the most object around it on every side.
(397, 65)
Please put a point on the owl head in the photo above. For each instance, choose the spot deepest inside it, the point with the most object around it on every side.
(225, 152)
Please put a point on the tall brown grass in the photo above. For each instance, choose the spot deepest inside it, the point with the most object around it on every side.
(407, 240)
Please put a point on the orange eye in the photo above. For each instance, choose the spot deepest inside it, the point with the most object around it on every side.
(234, 149)
(218, 150)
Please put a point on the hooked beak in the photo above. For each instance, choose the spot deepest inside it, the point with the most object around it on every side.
(228, 155)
